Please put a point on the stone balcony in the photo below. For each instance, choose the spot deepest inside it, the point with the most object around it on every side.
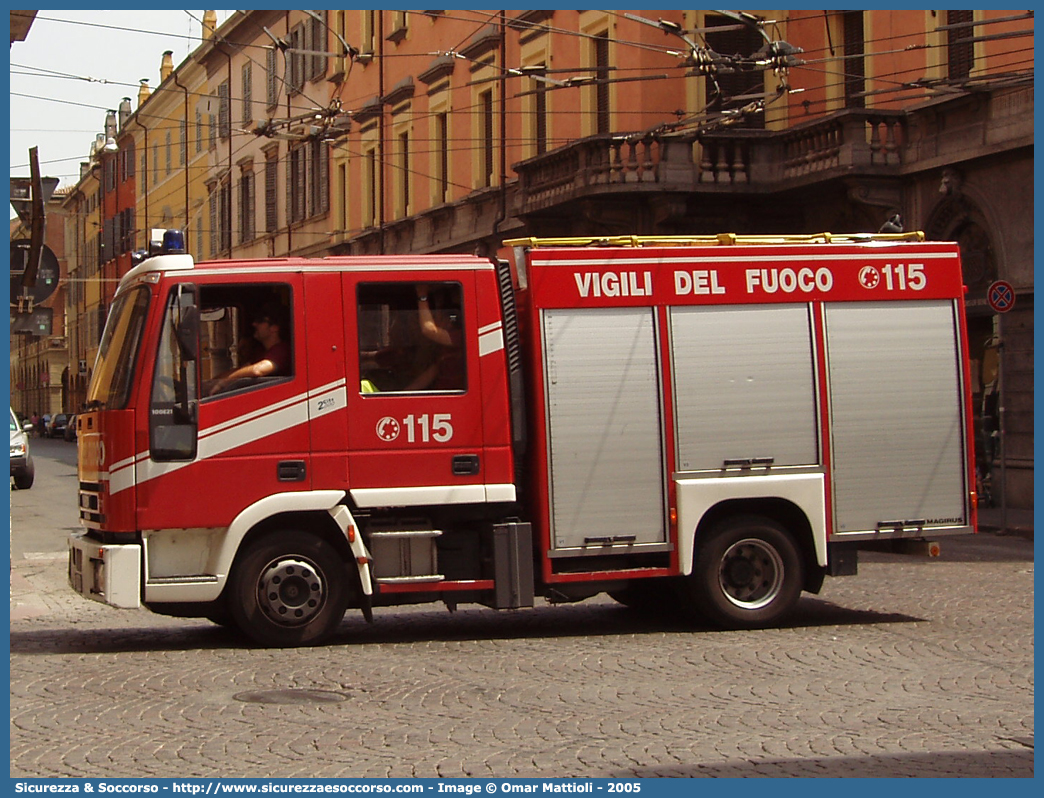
(856, 142)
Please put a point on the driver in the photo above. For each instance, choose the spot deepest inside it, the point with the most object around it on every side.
(269, 327)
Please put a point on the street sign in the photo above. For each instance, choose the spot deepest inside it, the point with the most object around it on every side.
(22, 195)
(1000, 296)
(37, 323)
(46, 275)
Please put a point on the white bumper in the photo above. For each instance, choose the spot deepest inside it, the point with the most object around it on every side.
(110, 574)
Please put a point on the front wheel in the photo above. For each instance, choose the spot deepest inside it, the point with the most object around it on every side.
(746, 574)
(289, 589)
(23, 478)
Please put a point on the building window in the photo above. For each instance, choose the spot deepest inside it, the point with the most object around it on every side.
(486, 126)
(248, 110)
(540, 118)
(960, 50)
(246, 206)
(224, 111)
(199, 131)
(169, 151)
(220, 218)
(226, 214)
(343, 62)
(601, 74)
(271, 194)
(183, 148)
(126, 232)
(212, 121)
(369, 31)
(854, 63)
(370, 186)
(403, 156)
(212, 208)
(742, 41)
(295, 184)
(272, 78)
(296, 60)
(307, 181)
(317, 43)
(127, 159)
(442, 158)
(318, 178)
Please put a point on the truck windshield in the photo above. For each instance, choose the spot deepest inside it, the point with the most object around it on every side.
(118, 352)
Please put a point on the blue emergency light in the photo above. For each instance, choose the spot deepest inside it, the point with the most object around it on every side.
(173, 242)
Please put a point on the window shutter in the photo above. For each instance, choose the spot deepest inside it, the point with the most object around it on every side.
(854, 67)
(272, 78)
(224, 111)
(960, 51)
(270, 189)
(248, 107)
(317, 43)
(731, 41)
(603, 120)
(300, 186)
(213, 221)
(324, 177)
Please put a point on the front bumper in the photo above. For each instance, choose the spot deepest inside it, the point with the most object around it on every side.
(110, 574)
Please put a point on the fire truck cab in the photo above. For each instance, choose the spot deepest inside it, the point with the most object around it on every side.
(714, 424)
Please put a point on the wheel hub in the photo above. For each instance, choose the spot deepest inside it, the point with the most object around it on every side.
(751, 573)
(291, 591)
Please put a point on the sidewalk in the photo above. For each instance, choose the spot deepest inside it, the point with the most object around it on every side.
(1019, 522)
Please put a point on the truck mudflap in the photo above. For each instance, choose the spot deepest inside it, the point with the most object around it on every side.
(109, 574)
(343, 518)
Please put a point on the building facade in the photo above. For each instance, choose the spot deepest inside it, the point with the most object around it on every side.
(364, 131)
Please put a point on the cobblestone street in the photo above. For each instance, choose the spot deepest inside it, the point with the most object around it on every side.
(914, 667)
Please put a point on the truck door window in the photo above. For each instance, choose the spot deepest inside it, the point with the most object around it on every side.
(246, 337)
(172, 412)
(411, 338)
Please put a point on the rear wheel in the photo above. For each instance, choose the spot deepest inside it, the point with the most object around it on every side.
(289, 589)
(746, 574)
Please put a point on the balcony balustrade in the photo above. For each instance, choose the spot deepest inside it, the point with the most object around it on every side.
(851, 142)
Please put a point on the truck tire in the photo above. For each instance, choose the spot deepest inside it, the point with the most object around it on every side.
(747, 573)
(288, 589)
(23, 478)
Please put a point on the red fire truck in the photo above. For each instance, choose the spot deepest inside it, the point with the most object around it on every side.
(709, 424)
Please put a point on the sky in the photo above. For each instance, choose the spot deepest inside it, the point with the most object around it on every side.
(76, 65)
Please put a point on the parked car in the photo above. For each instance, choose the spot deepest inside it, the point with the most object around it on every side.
(56, 426)
(70, 429)
(22, 468)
